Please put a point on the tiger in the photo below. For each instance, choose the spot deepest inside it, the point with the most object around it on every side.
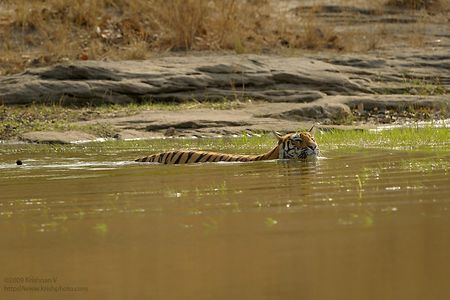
(292, 145)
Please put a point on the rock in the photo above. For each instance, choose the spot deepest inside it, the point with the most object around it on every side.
(397, 102)
(290, 79)
(54, 137)
(171, 131)
(260, 77)
(192, 124)
(332, 111)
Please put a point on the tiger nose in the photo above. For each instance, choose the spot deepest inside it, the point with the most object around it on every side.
(312, 147)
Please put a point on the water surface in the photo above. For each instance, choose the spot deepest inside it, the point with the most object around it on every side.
(360, 224)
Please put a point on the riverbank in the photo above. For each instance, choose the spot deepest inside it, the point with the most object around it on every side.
(216, 95)
(354, 65)
(61, 124)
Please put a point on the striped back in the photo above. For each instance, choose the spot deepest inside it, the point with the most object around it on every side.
(187, 157)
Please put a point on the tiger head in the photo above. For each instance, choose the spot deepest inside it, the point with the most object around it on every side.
(297, 145)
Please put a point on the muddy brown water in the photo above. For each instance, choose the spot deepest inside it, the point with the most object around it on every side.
(360, 224)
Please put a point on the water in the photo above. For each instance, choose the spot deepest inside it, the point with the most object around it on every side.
(360, 224)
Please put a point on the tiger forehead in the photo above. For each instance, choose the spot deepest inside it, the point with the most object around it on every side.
(300, 136)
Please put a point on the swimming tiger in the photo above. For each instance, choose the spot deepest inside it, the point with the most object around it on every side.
(290, 146)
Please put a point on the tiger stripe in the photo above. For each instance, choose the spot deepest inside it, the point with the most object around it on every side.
(164, 159)
(177, 158)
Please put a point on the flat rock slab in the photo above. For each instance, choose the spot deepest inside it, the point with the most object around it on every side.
(277, 79)
(56, 137)
(269, 78)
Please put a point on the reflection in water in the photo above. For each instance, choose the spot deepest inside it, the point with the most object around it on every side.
(364, 225)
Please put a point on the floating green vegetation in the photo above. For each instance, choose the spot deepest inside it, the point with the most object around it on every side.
(101, 229)
(270, 222)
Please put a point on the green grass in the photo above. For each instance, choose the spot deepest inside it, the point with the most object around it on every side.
(406, 138)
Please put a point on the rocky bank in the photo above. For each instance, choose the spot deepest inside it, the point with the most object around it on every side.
(292, 91)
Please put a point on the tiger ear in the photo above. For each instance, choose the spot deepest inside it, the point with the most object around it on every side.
(312, 130)
(277, 135)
